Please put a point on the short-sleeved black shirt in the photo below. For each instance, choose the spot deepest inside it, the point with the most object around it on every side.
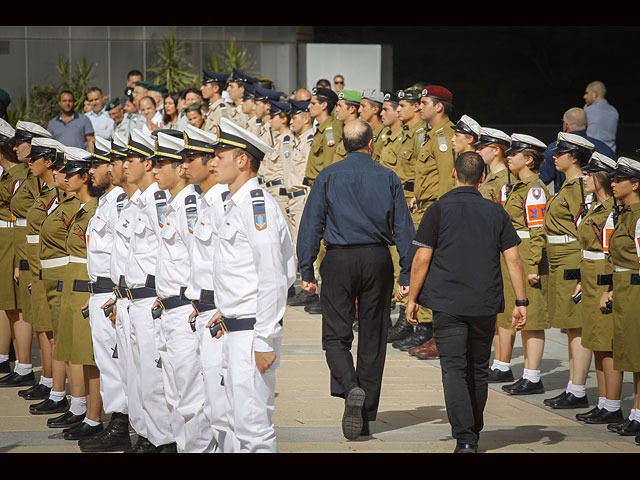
(467, 233)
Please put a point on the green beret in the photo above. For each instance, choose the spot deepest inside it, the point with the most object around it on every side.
(113, 103)
(144, 84)
(4, 97)
(350, 96)
(158, 88)
(194, 107)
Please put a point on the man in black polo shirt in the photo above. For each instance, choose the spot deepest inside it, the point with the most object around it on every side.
(456, 273)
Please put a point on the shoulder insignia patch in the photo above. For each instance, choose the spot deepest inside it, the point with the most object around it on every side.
(536, 193)
(442, 142)
(191, 209)
(259, 210)
(160, 198)
(330, 139)
(122, 198)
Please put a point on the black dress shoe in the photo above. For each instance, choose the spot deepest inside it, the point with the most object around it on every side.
(615, 427)
(114, 438)
(591, 413)
(528, 388)
(66, 420)
(551, 401)
(142, 446)
(465, 448)
(498, 376)
(302, 298)
(314, 307)
(352, 417)
(571, 401)
(5, 367)
(422, 334)
(84, 431)
(606, 417)
(401, 329)
(292, 291)
(16, 380)
(633, 428)
(39, 392)
(49, 406)
(508, 388)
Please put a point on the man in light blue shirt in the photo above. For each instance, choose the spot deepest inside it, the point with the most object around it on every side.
(102, 123)
(602, 117)
(71, 128)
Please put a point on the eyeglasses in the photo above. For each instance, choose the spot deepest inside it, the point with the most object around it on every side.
(338, 83)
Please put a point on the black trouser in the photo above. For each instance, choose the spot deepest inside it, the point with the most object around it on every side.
(464, 345)
(365, 273)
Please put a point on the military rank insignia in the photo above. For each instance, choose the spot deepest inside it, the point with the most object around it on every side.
(160, 198)
(259, 210)
(120, 202)
(330, 139)
(191, 211)
(442, 143)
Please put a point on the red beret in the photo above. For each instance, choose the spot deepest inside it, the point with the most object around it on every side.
(436, 91)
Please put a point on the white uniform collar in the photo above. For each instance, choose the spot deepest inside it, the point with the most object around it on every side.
(244, 190)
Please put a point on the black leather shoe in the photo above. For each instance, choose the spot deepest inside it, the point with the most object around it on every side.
(571, 401)
(38, 392)
(606, 417)
(5, 367)
(302, 298)
(528, 388)
(401, 330)
(352, 417)
(551, 401)
(633, 428)
(581, 417)
(49, 406)
(615, 427)
(365, 432)
(314, 307)
(508, 388)
(142, 446)
(114, 438)
(66, 420)
(465, 448)
(15, 380)
(292, 291)
(84, 431)
(422, 334)
(498, 376)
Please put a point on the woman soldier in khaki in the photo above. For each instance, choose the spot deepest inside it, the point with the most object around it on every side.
(43, 153)
(526, 206)
(25, 189)
(624, 261)
(597, 328)
(564, 213)
(74, 344)
(8, 312)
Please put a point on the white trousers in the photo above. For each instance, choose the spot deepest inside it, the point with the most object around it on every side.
(210, 355)
(184, 387)
(145, 337)
(103, 334)
(249, 394)
(124, 347)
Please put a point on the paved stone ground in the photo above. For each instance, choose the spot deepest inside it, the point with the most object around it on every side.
(412, 416)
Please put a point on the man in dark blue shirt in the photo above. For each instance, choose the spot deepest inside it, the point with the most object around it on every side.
(574, 121)
(358, 207)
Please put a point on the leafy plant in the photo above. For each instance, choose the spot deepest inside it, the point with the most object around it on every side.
(43, 104)
(15, 114)
(232, 57)
(76, 81)
(171, 69)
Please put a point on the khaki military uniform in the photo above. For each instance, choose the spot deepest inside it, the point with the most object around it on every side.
(266, 134)
(597, 328)
(325, 141)
(8, 286)
(74, 342)
(624, 261)
(217, 110)
(53, 255)
(253, 125)
(340, 153)
(21, 201)
(378, 141)
(526, 205)
(495, 186)
(237, 117)
(46, 202)
(563, 250)
(273, 169)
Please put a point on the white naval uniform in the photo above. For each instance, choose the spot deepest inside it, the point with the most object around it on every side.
(210, 212)
(183, 379)
(145, 331)
(100, 236)
(119, 256)
(253, 270)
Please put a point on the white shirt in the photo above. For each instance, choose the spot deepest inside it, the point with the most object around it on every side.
(210, 214)
(100, 235)
(254, 264)
(103, 124)
(157, 119)
(147, 227)
(122, 237)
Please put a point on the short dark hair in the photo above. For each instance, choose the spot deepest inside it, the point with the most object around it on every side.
(62, 92)
(137, 73)
(94, 89)
(323, 83)
(448, 107)
(357, 135)
(469, 168)
(254, 163)
(537, 156)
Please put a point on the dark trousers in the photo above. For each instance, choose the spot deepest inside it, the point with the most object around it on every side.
(464, 345)
(365, 273)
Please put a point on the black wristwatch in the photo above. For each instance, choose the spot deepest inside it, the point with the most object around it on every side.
(522, 303)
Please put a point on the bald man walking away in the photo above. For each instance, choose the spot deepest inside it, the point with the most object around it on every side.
(601, 115)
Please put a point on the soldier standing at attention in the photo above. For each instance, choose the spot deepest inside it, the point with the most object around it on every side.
(370, 110)
(212, 87)
(465, 134)
(346, 111)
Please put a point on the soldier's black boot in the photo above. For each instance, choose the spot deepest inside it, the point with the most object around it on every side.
(420, 335)
(114, 438)
(401, 330)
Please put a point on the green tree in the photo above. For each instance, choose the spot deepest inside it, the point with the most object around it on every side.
(171, 69)
(76, 81)
(234, 56)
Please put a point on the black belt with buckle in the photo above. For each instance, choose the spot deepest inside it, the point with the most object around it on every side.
(348, 247)
(140, 292)
(207, 297)
(173, 302)
(102, 285)
(260, 181)
(297, 193)
(202, 307)
(239, 324)
(273, 184)
(24, 265)
(408, 186)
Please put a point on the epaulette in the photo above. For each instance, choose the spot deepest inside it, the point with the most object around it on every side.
(191, 209)
(160, 198)
(259, 210)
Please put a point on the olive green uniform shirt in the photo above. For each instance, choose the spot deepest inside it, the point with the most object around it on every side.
(55, 228)
(563, 210)
(494, 186)
(407, 150)
(434, 164)
(326, 139)
(378, 141)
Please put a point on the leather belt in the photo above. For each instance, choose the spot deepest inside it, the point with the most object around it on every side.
(260, 181)
(348, 247)
(140, 292)
(297, 193)
(239, 324)
(273, 184)
(408, 186)
(102, 285)
(54, 262)
(24, 265)
(202, 307)
(173, 302)
(560, 239)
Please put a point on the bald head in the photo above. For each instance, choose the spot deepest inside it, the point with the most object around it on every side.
(356, 135)
(598, 88)
(302, 95)
(576, 119)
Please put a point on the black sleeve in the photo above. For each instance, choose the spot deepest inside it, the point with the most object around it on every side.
(427, 234)
(508, 237)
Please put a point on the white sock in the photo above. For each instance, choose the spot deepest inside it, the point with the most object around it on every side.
(502, 366)
(531, 375)
(78, 405)
(632, 414)
(47, 382)
(568, 389)
(23, 368)
(56, 396)
(636, 416)
(4, 358)
(494, 364)
(578, 391)
(601, 401)
(612, 405)
(91, 423)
